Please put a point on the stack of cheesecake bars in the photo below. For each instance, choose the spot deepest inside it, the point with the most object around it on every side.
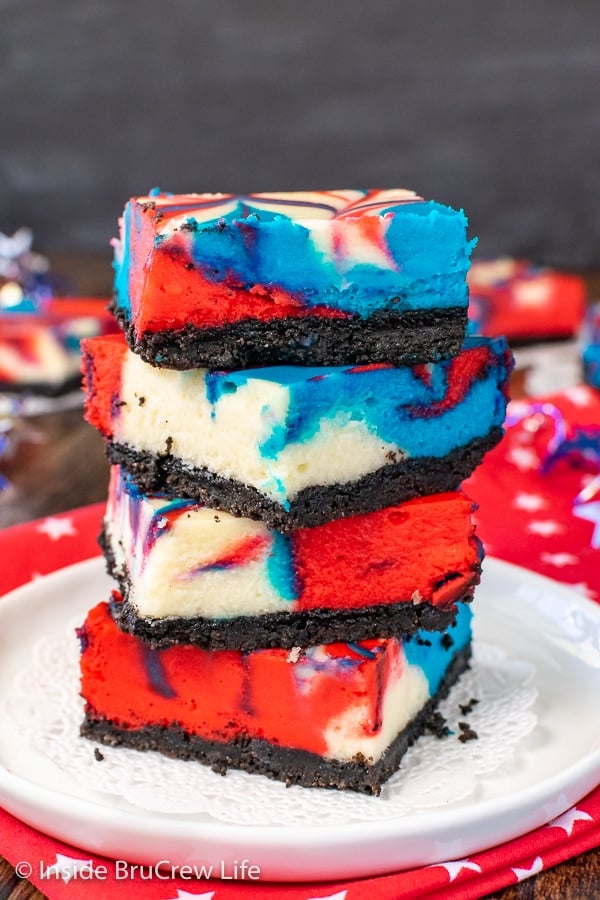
(290, 411)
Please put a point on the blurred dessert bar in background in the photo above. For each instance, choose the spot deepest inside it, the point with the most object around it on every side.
(524, 302)
(40, 326)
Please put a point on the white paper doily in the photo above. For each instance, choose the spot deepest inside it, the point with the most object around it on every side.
(46, 711)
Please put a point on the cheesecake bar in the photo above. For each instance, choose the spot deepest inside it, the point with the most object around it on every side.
(336, 715)
(305, 278)
(524, 302)
(297, 446)
(590, 346)
(40, 348)
(194, 575)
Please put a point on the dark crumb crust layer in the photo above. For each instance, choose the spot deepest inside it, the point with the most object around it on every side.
(406, 338)
(41, 388)
(300, 629)
(286, 630)
(278, 763)
(315, 505)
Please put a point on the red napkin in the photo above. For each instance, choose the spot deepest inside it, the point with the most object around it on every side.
(542, 484)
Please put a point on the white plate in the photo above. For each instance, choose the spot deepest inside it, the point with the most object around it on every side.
(530, 617)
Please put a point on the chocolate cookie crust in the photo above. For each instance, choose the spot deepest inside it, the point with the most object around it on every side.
(42, 388)
(406, 338)
(278, 763)
(387, 486)
(287, 630)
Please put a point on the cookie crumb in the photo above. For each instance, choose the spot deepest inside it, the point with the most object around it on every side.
(98, 755)
(437, 725)
(467, 733)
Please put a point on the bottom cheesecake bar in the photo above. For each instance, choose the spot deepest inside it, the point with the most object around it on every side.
(335, 715)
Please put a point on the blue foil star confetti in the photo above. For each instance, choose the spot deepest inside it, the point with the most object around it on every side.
(25, 284)
(4, 483)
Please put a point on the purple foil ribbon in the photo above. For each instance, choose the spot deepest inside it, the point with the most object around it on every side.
(532, 416)
(4, 447)
(581, 442)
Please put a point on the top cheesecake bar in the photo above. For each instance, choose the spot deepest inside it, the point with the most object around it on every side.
(306, 278)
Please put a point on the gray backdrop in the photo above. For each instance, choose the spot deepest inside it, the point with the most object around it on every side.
(492, 106)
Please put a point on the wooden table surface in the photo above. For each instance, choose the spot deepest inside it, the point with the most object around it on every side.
(60, 465)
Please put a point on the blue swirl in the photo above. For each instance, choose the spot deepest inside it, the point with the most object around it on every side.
(249, 246)
(388, 400)
(432, 652)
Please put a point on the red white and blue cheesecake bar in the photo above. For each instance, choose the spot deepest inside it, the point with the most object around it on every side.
(195, 575)
(40, 347)
(523, 301)
(336, 715)
(317, 278)
(590, 343)
(298, 446)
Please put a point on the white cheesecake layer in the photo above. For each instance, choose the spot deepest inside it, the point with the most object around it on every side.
(406, 694)
(163, 406)
(182, 566)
